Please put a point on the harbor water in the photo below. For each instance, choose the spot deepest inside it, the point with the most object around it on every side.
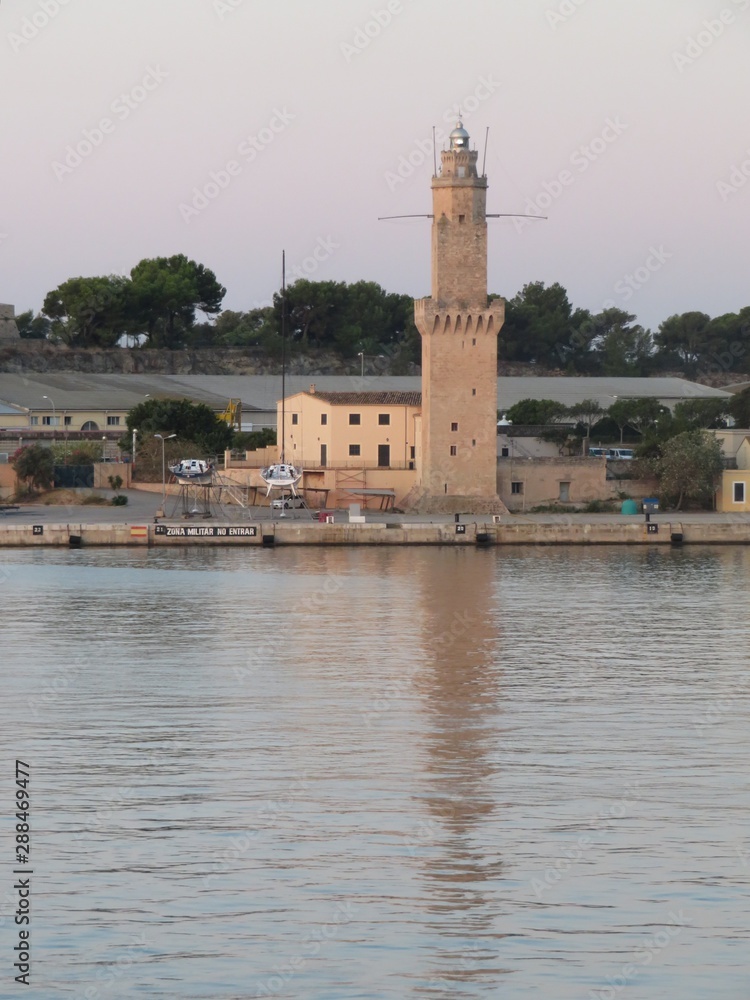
(379, 774)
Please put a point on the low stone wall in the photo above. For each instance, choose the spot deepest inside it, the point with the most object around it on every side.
(509, 531)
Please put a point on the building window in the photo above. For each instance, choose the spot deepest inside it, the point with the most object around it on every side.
(323, 419)
(354, 450)
(454, 450)
(565, 492)
(113, 421)
(50, 421)
(473, 442)
(454, 426)
(413, 452)
(384, 419)
(295, 418)
(504, 452)
(68, 421)
(473, 392)
(473, 341)
(516, 488)
(462, 218)
(354, 418)
(34, 421)
(739, 492)
(90, 425)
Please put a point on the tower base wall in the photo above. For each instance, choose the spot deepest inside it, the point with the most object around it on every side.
(419, 501)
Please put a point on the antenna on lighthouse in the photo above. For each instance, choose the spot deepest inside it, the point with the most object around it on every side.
(434, 149)
(484, 158)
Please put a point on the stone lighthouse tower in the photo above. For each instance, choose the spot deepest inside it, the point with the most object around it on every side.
(459, 345)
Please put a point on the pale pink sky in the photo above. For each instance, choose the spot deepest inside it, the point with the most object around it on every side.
(317, 105)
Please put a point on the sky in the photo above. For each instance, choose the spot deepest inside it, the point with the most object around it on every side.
(230, 130)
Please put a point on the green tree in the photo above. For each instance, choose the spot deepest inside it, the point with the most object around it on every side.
(686, 336)
(739, 408)
(689, 467)
(541, 325)
(35, 465)
(535, 412)
(32, 327)
(588, 412)
(640, 413)
(88, 312)
(622, 347)
(164, 294)
(193, 423)
(700, 414)
(251, 440)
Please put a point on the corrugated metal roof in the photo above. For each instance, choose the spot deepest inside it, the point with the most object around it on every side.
(81, 391)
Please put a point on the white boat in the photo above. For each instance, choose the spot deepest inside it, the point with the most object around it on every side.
(192, 472)
(281, 476)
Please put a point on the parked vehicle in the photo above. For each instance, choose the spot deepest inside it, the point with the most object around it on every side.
(288, 503)
(620, 454)
(598, 452)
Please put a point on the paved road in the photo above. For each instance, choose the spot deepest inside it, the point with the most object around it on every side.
(142, 507)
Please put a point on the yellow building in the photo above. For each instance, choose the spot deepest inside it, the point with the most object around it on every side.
(733, 495)
(353, 446)
(375, 430)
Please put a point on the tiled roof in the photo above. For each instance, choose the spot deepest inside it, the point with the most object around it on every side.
(370, 398)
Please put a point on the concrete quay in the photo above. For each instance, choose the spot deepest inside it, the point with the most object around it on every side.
(137, 525)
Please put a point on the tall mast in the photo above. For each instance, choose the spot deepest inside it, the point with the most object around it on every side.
(283, 354)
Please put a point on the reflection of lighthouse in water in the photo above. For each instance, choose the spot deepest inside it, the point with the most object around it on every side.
(460, 693)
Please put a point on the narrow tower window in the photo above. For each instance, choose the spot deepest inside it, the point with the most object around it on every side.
(454, 450)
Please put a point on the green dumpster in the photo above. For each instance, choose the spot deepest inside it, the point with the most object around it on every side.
(629, 507)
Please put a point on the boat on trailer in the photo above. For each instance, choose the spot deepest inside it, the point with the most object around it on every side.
(193, 472)
(281, 476)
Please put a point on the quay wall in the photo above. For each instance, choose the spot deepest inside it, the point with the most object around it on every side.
(345, 533)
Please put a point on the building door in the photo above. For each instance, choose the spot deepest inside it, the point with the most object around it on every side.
(384, 456)
(324, 455)
(565, 492)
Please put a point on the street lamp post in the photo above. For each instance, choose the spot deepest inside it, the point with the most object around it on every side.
(163, 468)
(104, 448)
(54, 415)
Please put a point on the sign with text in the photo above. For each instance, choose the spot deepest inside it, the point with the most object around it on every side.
(205, 531)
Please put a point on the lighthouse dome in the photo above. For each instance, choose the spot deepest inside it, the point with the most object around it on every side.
(459, 137)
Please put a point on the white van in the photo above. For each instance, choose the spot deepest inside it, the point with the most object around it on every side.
(620, 454)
